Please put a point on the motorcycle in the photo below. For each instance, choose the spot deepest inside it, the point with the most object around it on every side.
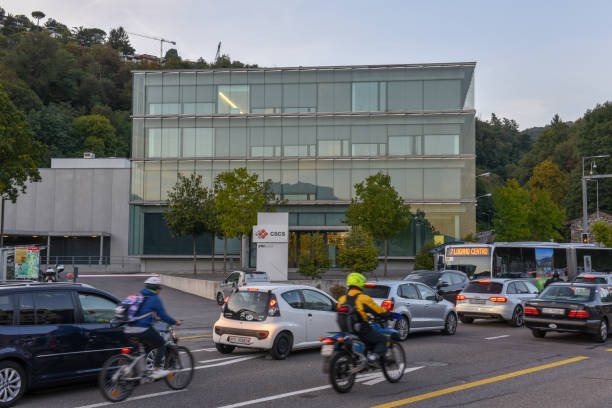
(344, 356)
(51, 274)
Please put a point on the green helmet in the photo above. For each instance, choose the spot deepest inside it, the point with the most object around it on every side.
(355, 279)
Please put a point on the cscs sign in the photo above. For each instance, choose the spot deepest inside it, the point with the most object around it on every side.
(271, 233)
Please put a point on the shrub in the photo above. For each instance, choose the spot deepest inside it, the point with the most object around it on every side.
(337, 291)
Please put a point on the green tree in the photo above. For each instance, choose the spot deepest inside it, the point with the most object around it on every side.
(358, 251)
(240, 196)
(602, 233)
(120, 41)
(378, 208)
(548, 177)
(38, 15)
(314, 256)
(19, 153)
(545, 219)
(52, 125)
(189, 210)
(424, 259)
(95, 133)
(88, 37)
(511, 208)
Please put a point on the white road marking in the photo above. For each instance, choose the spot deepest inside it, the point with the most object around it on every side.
(362, 378)
(218, 359)
(381, 377)
(204, 349)
(157, 394)
(118, 275)
(497, 337)
(236, 360)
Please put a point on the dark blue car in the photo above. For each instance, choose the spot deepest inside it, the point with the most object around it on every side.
(52, 334)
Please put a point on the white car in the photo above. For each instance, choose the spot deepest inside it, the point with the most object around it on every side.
(237, 279)
(275, 317)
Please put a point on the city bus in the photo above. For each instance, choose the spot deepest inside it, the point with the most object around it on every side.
(535, 260)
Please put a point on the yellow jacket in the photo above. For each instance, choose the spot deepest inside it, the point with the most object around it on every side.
(363, 304)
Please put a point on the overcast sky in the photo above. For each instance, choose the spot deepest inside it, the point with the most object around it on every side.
(533, 60)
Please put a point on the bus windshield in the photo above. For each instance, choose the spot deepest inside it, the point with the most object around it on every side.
(475, 261)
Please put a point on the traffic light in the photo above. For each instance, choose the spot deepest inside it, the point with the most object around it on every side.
(585, 238)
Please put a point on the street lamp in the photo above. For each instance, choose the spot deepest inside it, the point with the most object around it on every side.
(480, 196)
(487, 174)
(585, 222)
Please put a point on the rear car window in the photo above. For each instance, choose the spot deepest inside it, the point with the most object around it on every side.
(585, 279)
(257, 276)
(572, 293)
(294, 299)
(429, 279)
(483, 287)
(376, 291)
(247, 305)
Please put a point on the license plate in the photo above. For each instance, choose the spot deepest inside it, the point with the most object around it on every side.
(239, 340)
(477, 301)
(327, 350)
(552, 311)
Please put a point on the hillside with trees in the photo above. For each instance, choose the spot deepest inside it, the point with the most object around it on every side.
(74, 85)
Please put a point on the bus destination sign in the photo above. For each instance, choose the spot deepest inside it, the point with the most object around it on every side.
(468, 251)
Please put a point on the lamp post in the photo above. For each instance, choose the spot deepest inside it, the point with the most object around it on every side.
(585, 222)
(487, 174)
(2, 224)
(480, 196)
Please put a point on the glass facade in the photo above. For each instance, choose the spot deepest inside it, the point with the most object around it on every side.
(315, 133)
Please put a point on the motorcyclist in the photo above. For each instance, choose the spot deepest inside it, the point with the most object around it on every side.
(364, 304)
(142, 324)
(555, 278)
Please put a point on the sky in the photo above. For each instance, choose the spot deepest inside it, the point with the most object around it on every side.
(534, 58)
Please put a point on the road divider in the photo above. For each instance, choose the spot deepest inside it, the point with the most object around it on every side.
(478, 383)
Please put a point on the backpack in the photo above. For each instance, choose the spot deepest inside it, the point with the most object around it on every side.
(127, 309)
(348, 318)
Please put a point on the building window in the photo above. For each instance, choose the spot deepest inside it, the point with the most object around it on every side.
(233, 99)
(198, 142)
(365, 149)
(330, 148)
(366, 96)
(404, 145)
(441, 144)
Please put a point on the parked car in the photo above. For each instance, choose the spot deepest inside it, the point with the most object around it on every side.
(278, 318)
(237, 279)
(422, 309)
(594, 277)
(495, 299)
(448, 283)
(53, 333)
(573, 308)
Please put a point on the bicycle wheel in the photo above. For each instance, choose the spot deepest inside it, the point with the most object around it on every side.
(179, 362)
(111, 382)
(340, 374)
(394, 363)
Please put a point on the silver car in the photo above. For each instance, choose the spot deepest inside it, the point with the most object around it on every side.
(238, 279)
(495, 299)
(594, 277)
(422, 309)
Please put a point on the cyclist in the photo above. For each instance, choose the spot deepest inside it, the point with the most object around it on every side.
(363, 304)
(150, 307)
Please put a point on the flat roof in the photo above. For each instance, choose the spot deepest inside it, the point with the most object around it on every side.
(322, 68)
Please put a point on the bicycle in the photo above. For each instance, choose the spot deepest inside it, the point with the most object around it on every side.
(345, 356)
(134, 366)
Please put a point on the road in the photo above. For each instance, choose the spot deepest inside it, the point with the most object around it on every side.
(484, 364)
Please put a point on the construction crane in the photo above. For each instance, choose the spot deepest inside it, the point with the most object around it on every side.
(161, 43)
(218, 53)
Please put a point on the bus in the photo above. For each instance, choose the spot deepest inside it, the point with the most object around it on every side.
(535, 260)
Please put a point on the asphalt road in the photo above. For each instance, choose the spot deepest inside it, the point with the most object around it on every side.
(484, 364)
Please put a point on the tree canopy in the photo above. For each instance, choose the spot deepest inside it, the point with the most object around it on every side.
(358, 251)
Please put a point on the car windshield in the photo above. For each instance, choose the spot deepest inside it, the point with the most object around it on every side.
(484, 287)
(376, 291)
(427, 278)
(563, 292)
(247, 305)
(589, 279)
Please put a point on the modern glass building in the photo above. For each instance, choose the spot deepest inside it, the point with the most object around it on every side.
(314, 132)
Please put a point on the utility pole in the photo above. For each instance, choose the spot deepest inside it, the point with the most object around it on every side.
(161, 43)
(585, 221)
(2, 225)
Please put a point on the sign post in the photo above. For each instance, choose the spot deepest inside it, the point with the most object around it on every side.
(271, 234)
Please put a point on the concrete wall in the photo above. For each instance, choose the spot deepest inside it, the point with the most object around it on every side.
(77, 201)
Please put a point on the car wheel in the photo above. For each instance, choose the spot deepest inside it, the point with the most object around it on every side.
(450, 324)
(224, 348)
(602, 333)
(220, 299)
(282, 346)
(466, 320)
(403, 328)
(12, 383)
(517, 317)
(538, 334)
